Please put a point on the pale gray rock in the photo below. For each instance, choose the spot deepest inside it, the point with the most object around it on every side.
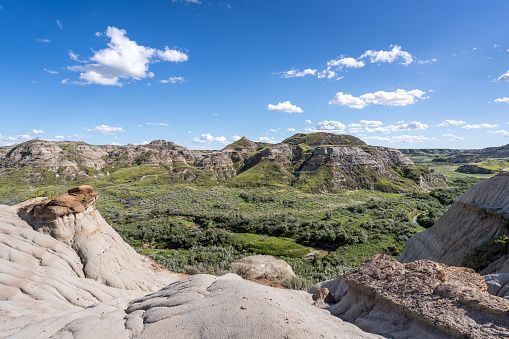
(477, 215)
(263, 266)
(498, 284)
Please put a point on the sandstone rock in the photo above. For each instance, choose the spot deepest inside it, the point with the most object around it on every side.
(263, 266)
(73, 220)
(477, 215)
(421, 299)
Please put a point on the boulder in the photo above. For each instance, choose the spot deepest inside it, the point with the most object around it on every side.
(498, 284)
(421, 299)
(263, 266)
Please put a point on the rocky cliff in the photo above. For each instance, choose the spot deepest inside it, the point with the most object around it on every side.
(478, 215)
(315, 161)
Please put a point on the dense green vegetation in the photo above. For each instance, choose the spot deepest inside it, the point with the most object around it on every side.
(203, 227)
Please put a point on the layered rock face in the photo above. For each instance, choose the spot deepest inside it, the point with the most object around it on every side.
(65, 273)
(421, 299)
(479, 214)
(342, 156)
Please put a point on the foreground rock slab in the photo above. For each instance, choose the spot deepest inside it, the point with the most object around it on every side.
(422, 299)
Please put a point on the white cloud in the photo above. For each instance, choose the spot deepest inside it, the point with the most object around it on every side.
(329, 126)
(285, 106)
(47, 41)
(501, 132)
(483, 125)
(504, 99)
(411, 126)
(76, 57)
(398, 98)
(106, 129)
(208, 138)
(307, 122)
(266, 139)
(453, 137)
(173, 80)
(449, 122)
(236, 137)
(123, 59)
(59, 137)
(36, 131)
(328, 74)
(65, 81)
(158, 123)
(24, 136)
(341, 99)
(388, 56)
(295, 73)
(505, 76)
(290, 129)
(50, 71)
(364, 123)
(346, 62)
(59, 24)
(399, 138)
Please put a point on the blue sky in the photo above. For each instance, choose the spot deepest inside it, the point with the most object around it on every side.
(403, 74)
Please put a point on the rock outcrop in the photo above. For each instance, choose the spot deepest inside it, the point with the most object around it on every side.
(65, 273)
(421, 299)
(479, 214)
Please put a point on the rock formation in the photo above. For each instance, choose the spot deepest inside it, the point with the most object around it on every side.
(263, 266)
(421, 299)
(479, 214)
(64, 273)
(343, 160)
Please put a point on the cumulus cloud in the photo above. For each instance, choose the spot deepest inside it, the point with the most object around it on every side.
(285, 106)
(399, 138)
(342, 99)
(59, 137)
(307, 122)
(173, 80)
(388, 56)
(501, 132)
(105, 129)
(504, 99)
(295, 73)
(36, 131)
(290, 129)
(449, 122)
(483, 125)
(266, 139)
(411, 126)
(452, 137)
(236, 137)
(123, 59)
(363, 123)
(399, 97)
(328, 126)
(504, 77)
(208, 138)
(158, 123)
(346, 62)
(115, 143)
(47, 41)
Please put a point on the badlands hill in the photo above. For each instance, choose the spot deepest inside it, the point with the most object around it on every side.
(65, 273)
(323, 162)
